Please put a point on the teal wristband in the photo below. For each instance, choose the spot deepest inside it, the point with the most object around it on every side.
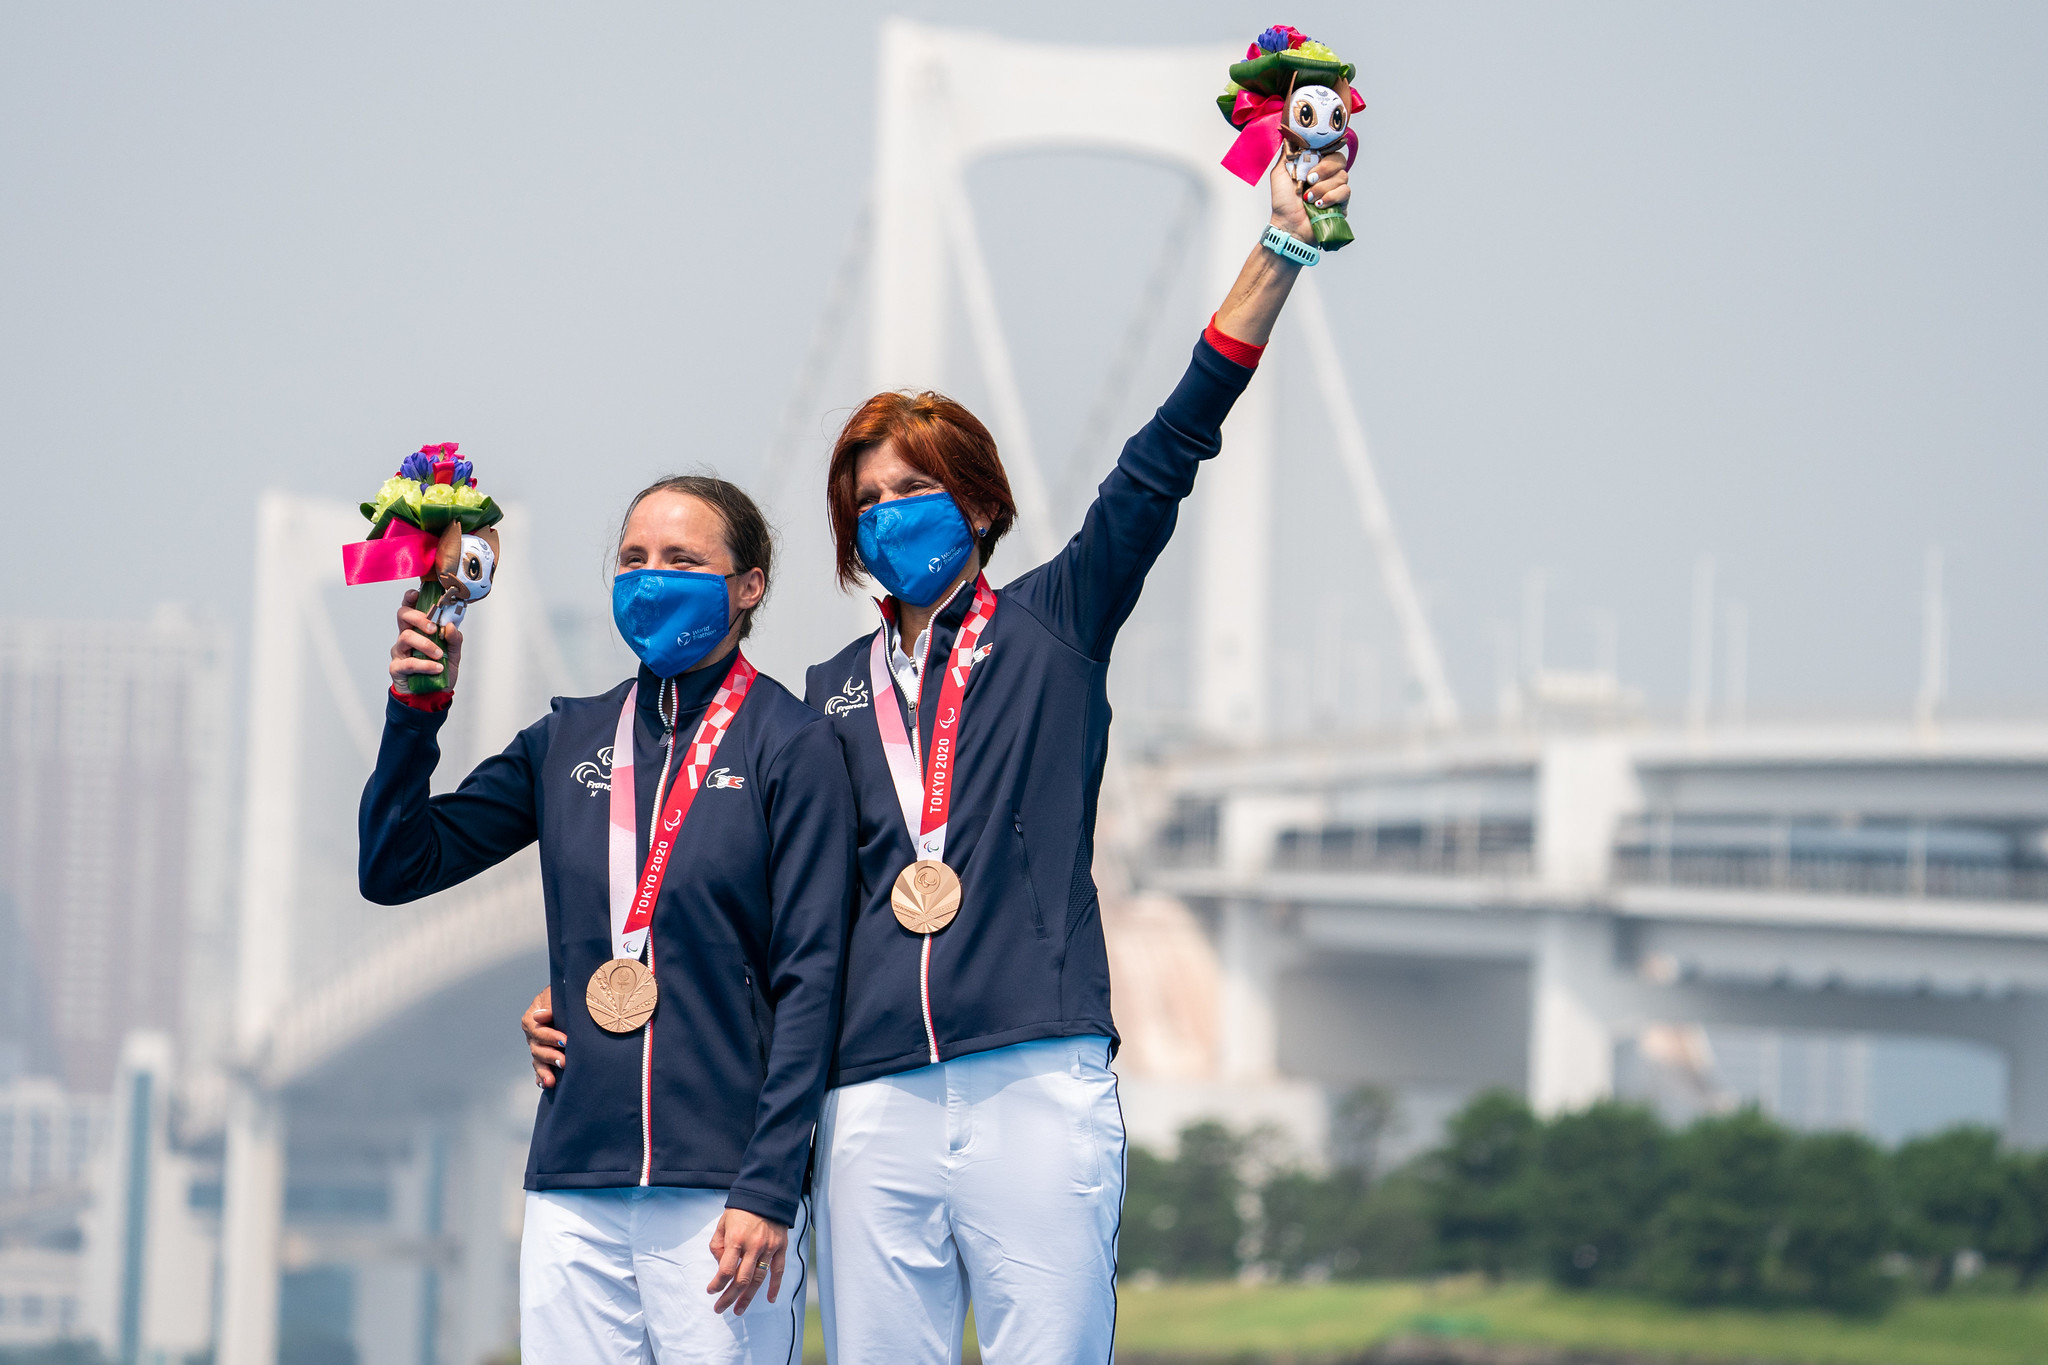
(1292, 247)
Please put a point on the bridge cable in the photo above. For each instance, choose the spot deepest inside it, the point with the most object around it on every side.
(826, 339)
(1418, 641)
(1112, 393)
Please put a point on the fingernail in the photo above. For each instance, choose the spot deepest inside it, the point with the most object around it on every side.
(1314, 176)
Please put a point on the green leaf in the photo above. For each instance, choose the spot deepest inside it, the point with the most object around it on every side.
(1271, 75)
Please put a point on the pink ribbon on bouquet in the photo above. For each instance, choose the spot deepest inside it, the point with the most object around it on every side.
(1259, 137)
(403, 551)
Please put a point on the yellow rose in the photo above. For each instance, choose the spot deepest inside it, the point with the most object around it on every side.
(393, 490)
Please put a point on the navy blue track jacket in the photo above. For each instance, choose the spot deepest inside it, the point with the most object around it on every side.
(1025, 957)
(747, 933)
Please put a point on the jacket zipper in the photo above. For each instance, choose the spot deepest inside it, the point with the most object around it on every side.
(924, 964)
(666, 705)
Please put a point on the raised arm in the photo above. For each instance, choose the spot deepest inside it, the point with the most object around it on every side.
(411, 843)
(1085, 593)
(1254, 302)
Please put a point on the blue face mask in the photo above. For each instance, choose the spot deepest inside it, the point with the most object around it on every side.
(671, 618)
(915, 547)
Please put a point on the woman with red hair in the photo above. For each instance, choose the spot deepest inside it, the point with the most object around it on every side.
(971, 1147)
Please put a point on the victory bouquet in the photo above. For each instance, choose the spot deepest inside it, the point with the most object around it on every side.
(1291, 90)
(428, 521)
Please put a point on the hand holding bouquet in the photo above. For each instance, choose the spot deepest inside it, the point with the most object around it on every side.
(429, 521)
(1290, 91)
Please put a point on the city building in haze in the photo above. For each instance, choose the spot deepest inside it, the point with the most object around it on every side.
(112, 840)
(113, 844)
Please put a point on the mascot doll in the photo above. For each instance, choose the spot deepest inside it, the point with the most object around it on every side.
(428, 521)
(1291, 91)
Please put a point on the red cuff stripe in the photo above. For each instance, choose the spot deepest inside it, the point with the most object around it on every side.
(1230, 348)
(424, 701)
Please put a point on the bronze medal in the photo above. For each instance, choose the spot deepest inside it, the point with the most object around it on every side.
(926, 896)
(621, 995)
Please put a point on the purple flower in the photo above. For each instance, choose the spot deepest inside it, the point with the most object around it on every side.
(462, 468)
(418, 465)
(1277, 38)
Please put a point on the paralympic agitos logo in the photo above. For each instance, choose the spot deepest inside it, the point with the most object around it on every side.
(852, 697)
(595, 774)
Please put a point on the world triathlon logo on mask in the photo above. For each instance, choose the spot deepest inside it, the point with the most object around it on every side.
(937, 564)
(852, 697)
(722, 777)
(595, 774)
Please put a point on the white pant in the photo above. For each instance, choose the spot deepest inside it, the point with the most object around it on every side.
(999, 1178)
(618, 1276)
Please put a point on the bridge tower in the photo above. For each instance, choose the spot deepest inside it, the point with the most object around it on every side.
(951, 98)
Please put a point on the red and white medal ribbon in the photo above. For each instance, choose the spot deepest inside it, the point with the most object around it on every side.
(927, 798)
(632, 904)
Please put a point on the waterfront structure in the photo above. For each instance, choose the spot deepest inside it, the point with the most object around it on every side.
(1440, 906)
(47, 1140)
(110, 727)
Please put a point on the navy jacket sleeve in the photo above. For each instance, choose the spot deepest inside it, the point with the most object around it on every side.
(411, 843)
(1085, 593)
(811, 830)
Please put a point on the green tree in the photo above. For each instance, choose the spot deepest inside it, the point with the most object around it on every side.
(1302, 1216)
(1481, 1185)
(2020, 1238)
(1181, 1216)
(1602, 1175)
(1953, 1186)
(1359, 1121)
(1334, 1222)
(1390, 1232)
(1711, 1241)
(1837, 1222)
(1150, 1212)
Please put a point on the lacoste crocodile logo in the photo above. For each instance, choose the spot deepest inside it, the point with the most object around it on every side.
(722, 777)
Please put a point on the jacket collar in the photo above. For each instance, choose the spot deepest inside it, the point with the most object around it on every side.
(946, 620)
(692, 691)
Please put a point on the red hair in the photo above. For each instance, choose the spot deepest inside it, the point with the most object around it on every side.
(933, 434)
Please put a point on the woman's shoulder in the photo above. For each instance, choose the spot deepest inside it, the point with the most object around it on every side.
(779, 709)
(782, 726)
(611, 698)
(572, 711)
(842, 676)
(854, 649)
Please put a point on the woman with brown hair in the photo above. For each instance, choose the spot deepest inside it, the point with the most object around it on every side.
(694, 825)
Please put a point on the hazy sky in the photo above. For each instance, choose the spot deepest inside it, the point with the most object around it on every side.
(1633, 283)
